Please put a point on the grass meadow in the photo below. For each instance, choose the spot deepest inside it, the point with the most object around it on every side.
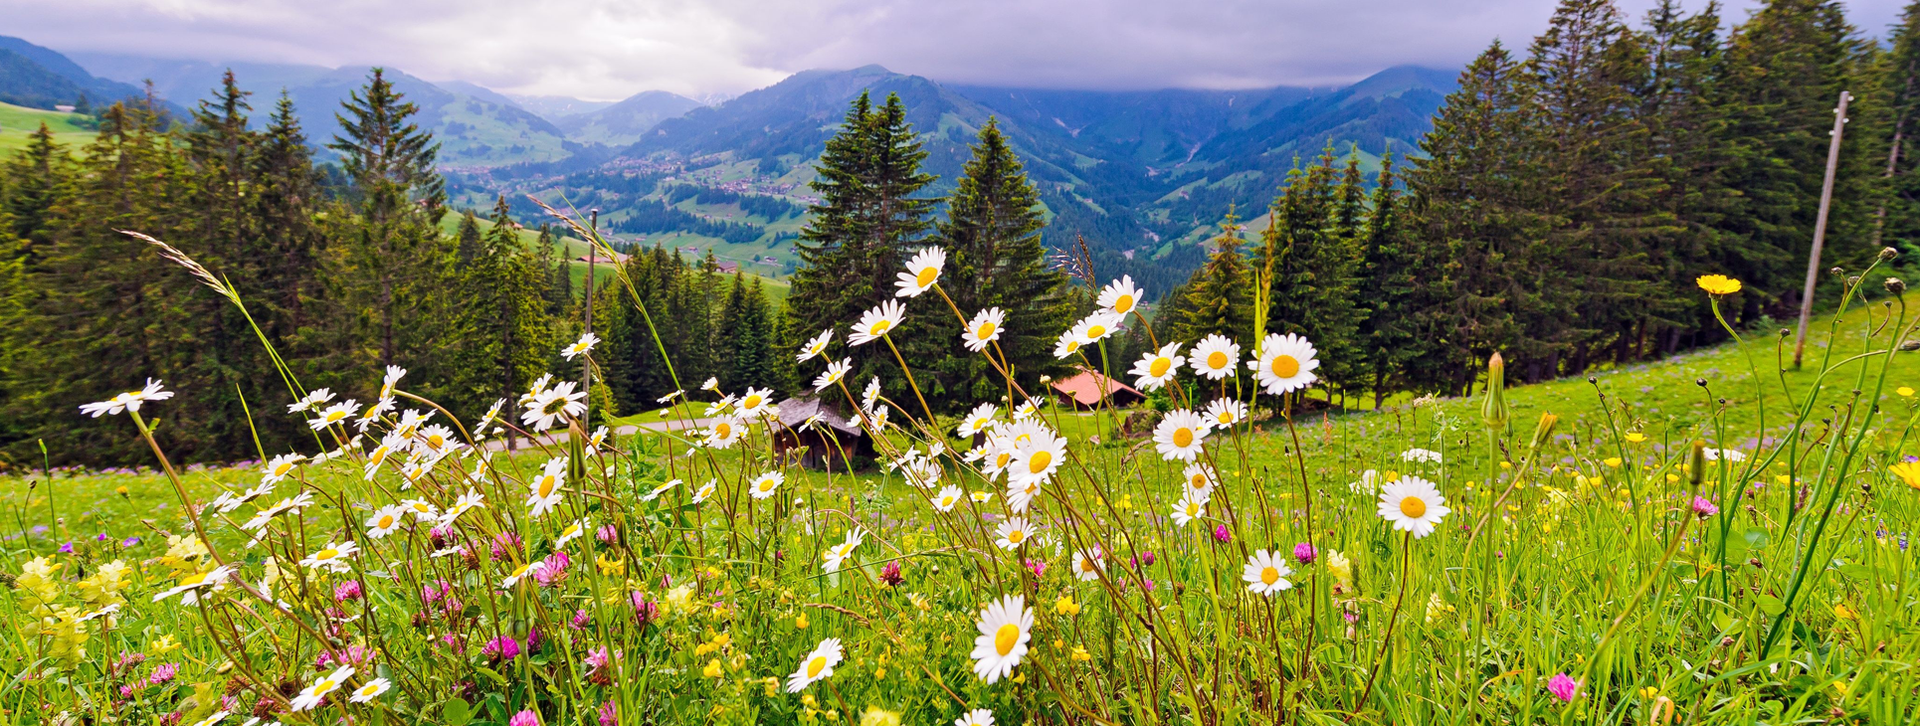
(1666, 543)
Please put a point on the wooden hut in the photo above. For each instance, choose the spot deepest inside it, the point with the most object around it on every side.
(822, 444)
(1085, 390)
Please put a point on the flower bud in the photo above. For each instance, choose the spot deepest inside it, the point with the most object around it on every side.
(1697, 463)
(1888, 253)
(1544, 430)
(1896, 285)
(1494, 408)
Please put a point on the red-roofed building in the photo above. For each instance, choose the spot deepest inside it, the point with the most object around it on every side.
(1088, 388)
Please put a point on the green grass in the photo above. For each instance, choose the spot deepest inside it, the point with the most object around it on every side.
(1590, 564)
(17, 123)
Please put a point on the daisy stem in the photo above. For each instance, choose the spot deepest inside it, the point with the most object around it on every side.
(910, 382)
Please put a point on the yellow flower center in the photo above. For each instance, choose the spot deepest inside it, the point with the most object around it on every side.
(1160, 366)
(1413, 507)
(1086, 564)
(1270, 575)
(1015, 536)
(326, 554)
(379, 455)
(1039, 461)
(766, 485)
(1224, 417)
(819, 663)
(323, 685)
(985, 331)
(1005, 638)
(879, 328)
(751, 403)
(1193, 509)
(386, 520)
(723, 430)
(1217, 360)
(1199, 481)
(1183, 437)
(335, 416)
(1096, 331)
(436, 441)
(546, 486)
(1285, 366)
(1123, 304)
(1073, 346)
(282, 469)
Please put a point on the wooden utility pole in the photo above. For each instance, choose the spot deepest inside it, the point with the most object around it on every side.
(1820, 226)
(593, 254)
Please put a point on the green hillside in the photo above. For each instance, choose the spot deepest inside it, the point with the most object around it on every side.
(572, 247)
(18, 122)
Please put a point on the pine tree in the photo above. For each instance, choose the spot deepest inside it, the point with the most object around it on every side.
(859, 233)
(36, 178)
(1385, 292)
(1475, 224)
(398, 199)
(1778, 131)
(996, 259)
(1219, 295)
(1897, 215)
(503, 331)
(1311, 250)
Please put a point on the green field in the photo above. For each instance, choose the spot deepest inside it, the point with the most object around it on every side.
(1599, 574)
(17, 123)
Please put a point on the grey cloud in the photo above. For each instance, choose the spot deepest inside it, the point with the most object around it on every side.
(608, 49)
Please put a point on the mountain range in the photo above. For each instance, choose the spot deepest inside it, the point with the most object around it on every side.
(1140, 175)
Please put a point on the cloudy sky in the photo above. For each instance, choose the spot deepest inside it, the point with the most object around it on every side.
(609, 49)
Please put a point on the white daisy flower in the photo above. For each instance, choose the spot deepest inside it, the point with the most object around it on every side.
(1223, 413)
(280, 467)
(523, 572)
(723, 432)
(1097, 327)
(1180, 435)
(754, 402)
(544, 492)
(765, 485)
(978, 420)
(129, 401)
(266, 514)
(922, 272)
(1188, 509)
(1012, 532)
(982, 497)
(1286, 363)
(876, 323)
(373, 414)
(704, 493)
(1068, 343)
(422, 510)
(1120, 296)
(675, 394)
(949, 496)
(552, 405)
(1086, 565)
(470, 500)
(835, 371)
(313, 398)
(192, 584)
(1368, 484)
(1200, 479)
(391, 379)
(1155, 368)
(371, 690)
(332, 557)
(1037, 453)
(1215, 356)
(659, 490)
(983, 329)
(316, 693)
(379, 455)
(976, 717)
(1266, 573)
(1005, 627)
(814, 347)
(573, 531)
(580, 347)
(837, 555)
(335, 414)
(816, 666)
(1418, 455)
(385, 520)
(1414, 505)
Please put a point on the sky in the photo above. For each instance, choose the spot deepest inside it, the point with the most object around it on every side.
(609, 49)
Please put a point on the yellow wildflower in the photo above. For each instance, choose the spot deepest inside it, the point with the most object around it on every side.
(1066, 606)
(1718, 285)
(800, 621)
(1634, 437)
(1907, 471)
(1080, 653)
(712, 670)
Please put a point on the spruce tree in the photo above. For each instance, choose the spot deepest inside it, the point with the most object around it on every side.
(1385, 291)
(996, 259)
(868, 219)
(1219, 296)
(398, 198)
(1897, 213)
(1310, 247)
